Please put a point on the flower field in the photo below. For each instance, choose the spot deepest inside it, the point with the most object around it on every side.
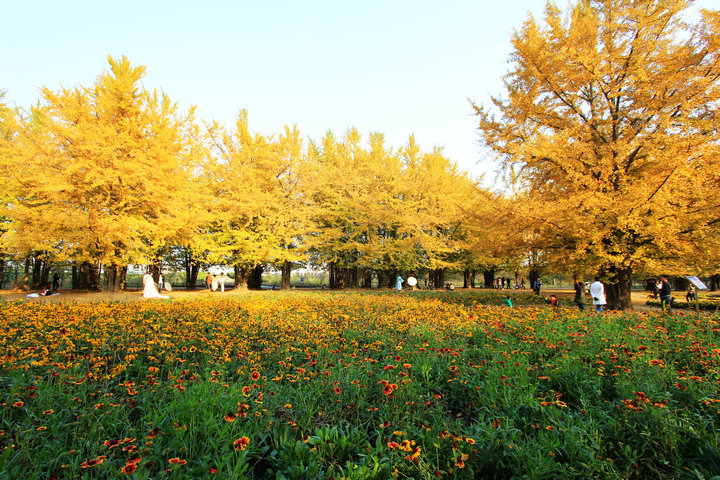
(355, 385)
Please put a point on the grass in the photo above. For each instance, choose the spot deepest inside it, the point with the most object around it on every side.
(355, 385)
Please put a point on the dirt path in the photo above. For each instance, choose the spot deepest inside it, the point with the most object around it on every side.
(123, 296)
(565, 295)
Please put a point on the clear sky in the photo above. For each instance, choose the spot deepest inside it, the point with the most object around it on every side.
(399, 67)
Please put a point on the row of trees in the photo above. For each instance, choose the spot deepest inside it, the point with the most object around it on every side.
(608, 135)
(114, 175)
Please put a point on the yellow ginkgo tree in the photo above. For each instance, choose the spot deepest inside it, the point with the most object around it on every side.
(253, 192)
(609, 121)
(105, 173)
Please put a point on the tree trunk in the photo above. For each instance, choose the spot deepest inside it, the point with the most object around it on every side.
(715, 282)
(114, 278)
(352, 277)
(337, 276)
(367, 278)
(83, 276)
(25, 282)
(618, 290)
(466, 278)
(37, 271)
(242, 274)
(332, 274)
(2, 270)
(89, 276)
(438, 278)
(45, 275)
(75, 278)
(192, 269)
(343, 277)
(533, 275)
(392, 278)
(191, 282)
(381, 278)
(285, 271)
(155, 270)
(255, 278)
(489, 278)
(680, 283)
(472, 278)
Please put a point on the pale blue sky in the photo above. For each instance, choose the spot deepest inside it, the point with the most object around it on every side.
(397, 67)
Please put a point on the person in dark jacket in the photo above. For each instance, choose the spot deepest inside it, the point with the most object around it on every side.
(665, 294)
(579, 295)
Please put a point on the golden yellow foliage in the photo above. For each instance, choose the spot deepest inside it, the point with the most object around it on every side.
(103, 173)
(610, 124)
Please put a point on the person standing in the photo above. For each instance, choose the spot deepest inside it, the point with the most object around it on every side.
(579, 297)
(536, 286)
(665, 294)
(208, 280)
(56, 282)
(160, 283)
(399, 283)
(597, 291)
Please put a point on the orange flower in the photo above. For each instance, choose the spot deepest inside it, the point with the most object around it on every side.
(93, 462)
(242, 409)
(406, 445)
(337, 390)
(230, 417)
(18, 404)
(241, 443)
(129, 468)
(255, 375)
(177, 461)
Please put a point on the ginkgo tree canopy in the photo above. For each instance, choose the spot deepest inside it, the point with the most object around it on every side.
(102, 174)
(609, 121)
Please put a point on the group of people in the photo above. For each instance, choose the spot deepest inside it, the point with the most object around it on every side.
(412, 281)
(213, 282)
(597, 292)
(501, 283)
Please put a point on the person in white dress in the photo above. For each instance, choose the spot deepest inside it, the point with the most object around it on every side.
(214, 283)
(597, 292)
(149, 289)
